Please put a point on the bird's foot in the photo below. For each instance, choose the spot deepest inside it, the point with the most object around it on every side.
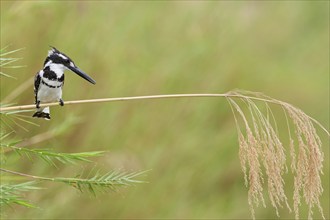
(61, 102)
(38, 104)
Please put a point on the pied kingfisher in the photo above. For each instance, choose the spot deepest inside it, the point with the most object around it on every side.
(49, 81)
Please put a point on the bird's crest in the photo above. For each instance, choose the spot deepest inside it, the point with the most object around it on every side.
(53, 50)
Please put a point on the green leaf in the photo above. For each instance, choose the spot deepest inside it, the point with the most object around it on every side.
(51, 157)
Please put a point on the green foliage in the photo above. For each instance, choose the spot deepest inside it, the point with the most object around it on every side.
(12, 194)
(92, 183)
(47, 155)
(12, 117)
(5, 62)
(50, 157)
(102, 182)
(16, 118)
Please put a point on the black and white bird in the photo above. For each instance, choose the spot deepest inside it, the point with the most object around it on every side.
(48, 82)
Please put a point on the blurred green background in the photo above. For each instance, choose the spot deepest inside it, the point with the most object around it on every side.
(136, 48)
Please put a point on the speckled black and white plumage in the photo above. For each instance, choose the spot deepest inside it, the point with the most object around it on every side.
(48, 82)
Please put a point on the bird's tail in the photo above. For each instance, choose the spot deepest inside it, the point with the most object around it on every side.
(42, 113)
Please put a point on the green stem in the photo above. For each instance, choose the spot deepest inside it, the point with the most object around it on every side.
(26, 175)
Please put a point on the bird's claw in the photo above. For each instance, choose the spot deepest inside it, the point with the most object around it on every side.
(38, 104)
(61, 102)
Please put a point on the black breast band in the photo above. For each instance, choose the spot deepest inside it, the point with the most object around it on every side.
(50, 86)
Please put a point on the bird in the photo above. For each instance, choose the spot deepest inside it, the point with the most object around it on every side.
(48, 82)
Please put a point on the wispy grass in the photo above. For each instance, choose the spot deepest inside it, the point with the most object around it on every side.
(11, 194)
(51, 157)
(260, 144)
(6, 62)
(11, 117)
(92, 183)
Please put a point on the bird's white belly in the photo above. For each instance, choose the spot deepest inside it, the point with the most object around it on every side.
(46, 94)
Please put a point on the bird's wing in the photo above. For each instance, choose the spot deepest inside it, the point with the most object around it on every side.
(37, 80)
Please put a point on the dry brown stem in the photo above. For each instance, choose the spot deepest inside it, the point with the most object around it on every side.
(260, 148)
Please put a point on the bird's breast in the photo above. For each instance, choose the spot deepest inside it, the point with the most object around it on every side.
(49, 91)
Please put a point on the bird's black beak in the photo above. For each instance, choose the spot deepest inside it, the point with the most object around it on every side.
(82, 74)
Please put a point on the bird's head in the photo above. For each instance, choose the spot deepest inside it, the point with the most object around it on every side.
(59, 59)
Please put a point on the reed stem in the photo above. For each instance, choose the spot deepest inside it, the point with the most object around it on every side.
(198, 95)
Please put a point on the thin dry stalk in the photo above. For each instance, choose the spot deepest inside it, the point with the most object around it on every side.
(260, 148)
